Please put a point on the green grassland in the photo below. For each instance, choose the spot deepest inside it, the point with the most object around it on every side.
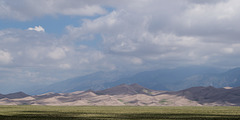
(117, 113)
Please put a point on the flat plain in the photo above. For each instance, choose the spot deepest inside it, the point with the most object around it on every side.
(29, 112)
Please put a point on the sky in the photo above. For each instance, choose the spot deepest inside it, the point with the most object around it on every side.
(46, 41)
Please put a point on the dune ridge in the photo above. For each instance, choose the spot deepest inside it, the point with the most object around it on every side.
(130, 95)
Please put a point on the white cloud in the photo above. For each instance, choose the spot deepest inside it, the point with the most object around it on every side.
(5, 57)
(27, 9)
(185, 32)
(131, 37)
(228, 50)
(65, 66)
(136, 60)
(58, 53)
(83, 61)
(37, 28)
(85, 10)
(215, 20)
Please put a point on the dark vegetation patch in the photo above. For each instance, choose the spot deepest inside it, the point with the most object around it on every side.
(115, 113)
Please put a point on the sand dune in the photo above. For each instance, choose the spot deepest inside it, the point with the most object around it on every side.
(131, 95)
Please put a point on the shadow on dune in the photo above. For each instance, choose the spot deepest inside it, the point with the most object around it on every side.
(211, 95)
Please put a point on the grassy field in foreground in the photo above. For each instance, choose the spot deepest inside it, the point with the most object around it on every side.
(121, 113)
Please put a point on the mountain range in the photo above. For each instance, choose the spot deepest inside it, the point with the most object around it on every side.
(131, 95)
(14, 95)
(162, 79)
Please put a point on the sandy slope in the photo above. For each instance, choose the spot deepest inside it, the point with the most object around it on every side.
(132, 95)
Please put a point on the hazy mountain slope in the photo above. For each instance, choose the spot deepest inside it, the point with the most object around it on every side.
(167, 79)
(1, 96)
(229, 78)
(163, 79)
(14, 95)
(95, 81)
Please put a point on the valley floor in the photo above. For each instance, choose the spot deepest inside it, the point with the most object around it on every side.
(117, 112)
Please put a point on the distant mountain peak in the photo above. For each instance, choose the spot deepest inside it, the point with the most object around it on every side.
(136, 85)
(125, 89)
(2, 96)
(16, 95)
(200, 88)
(89, 90)
(162, 79)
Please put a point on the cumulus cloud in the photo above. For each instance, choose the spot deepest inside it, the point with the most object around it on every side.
(37, 28)
(210, 20)
(27, 9)
(132, 36)
(58, 53)
(5, 57)
(187, 32)
(65, 66)
(47, 58)
(85, 10)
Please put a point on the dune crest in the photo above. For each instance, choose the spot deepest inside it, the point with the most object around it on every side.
(131, 95)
